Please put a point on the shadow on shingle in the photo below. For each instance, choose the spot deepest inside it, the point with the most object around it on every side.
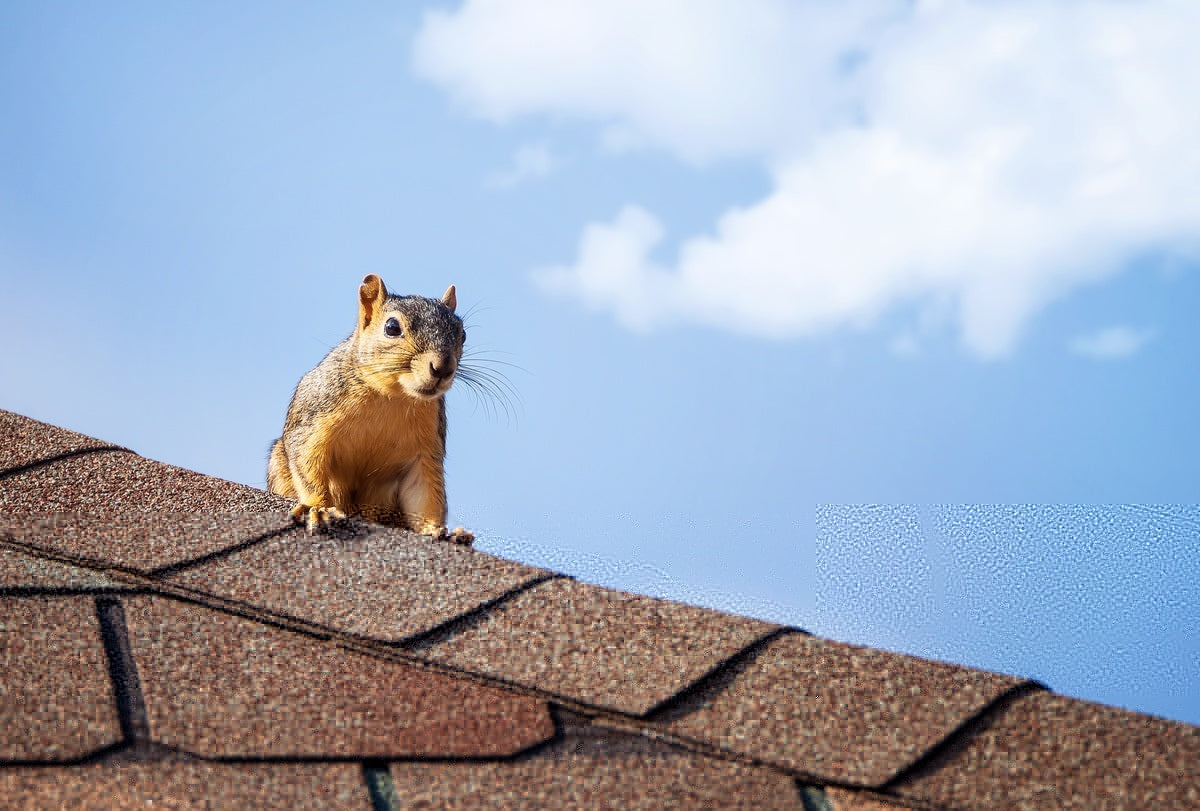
(589, 767)
(377, 584)
(141, 540)
(837, 713)
(595, 646)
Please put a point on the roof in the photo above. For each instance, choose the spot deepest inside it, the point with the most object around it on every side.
(171, 638)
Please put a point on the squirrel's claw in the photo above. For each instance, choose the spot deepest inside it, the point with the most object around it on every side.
(458, 535)
(440, 532)
(317, 518)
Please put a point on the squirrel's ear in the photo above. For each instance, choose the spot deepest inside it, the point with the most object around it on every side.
(370, 296)
(449, 299)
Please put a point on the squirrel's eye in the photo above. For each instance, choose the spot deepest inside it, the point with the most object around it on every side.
(391, 328)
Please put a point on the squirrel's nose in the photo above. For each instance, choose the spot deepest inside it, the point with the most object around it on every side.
(441, 369)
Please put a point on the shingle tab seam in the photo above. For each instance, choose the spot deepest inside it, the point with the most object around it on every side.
(212, 602)
(706, 680)
(364, 646)
(556, 712)
(240, 546)
(108, 568)
(64, 591)
(615, 724)
(964, 732)
(448, 629)
(126, 686)
(610, 721)
(7, 541)
(348, 642)
(20, 470)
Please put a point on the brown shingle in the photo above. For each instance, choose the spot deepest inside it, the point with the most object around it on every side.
(21, 571)
(111, 482)
(24, 442)
(182, 784)
(845, 800)
(836, 712)
(374, 582)
(145, 540)
(1046, 751)
(217, 685)
(600, 647)
(56, 700)
(209, 681)
(595, 771)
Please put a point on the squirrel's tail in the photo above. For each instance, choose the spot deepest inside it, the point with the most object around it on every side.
(279, 473)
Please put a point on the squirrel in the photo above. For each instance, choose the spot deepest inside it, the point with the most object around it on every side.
(365, 432)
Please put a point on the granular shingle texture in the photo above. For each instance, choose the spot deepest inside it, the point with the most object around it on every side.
(589, 769)
(144, 540)
(177, 785)
(1050, 752)
(20, 571)
(171, 640)
(837, 712)
(109, 483)
(218, 685)
(56, 701)
(596, 646)
(372, 582)
(845, 800)
(25, 442)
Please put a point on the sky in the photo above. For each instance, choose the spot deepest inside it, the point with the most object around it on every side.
(744, 265)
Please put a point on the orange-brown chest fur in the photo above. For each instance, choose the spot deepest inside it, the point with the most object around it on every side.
(373, 443)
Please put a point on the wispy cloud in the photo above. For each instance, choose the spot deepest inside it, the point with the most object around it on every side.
(529, 162)
(1113, 343)
(992, 156)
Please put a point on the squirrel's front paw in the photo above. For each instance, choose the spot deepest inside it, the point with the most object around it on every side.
(317, 518)
(457, 535)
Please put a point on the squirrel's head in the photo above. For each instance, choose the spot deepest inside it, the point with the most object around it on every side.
(407, 344)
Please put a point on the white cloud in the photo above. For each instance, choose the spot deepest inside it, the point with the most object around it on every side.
(702, 78)
(529, 162)
(1113, 343)
(986, 158)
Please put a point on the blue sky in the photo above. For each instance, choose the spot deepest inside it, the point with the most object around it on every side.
(747, 259)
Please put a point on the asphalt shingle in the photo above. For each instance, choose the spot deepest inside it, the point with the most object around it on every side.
(595, 646)
(186, 784)
(837, 712)
(19, 571)
(844, 800)
(1046, 751)
(144, 540)
(143, 623)
(110, 483)
(25, 442)
(367, 581)
(217, 685)
(593, 770)
(56, 699)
